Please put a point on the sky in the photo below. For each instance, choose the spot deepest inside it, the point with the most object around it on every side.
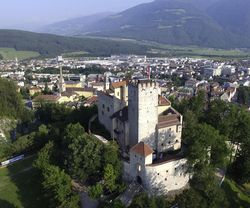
(27, 14)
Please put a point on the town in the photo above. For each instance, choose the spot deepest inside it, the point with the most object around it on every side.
(177, 77)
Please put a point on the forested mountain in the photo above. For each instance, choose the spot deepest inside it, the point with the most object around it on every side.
(74, 26)
(51, 45)
(211, 23)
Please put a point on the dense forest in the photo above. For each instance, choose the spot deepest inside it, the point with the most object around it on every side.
(52, 45)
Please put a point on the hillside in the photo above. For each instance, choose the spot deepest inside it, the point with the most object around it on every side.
(74, 26)
(212, 23)
(52, 45)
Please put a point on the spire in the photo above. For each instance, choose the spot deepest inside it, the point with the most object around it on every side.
(61, 80)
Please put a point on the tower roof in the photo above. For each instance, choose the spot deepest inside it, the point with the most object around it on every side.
(142, 149)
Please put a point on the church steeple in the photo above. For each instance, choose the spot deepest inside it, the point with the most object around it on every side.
(61, 80)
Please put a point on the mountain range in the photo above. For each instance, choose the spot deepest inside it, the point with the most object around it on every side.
(205, 23)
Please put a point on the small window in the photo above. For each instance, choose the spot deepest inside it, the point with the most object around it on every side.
(158, 173)
(175, 168)
(135, 155)
(166, 179)
(166, 171)
(108, 109)
(162, 144)
(103, 106)
(102, 113)
(176, 141)
(169, 142)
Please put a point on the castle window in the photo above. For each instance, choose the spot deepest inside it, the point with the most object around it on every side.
(175, 168)
(108, 109)
(135, 155)
(103, 106)
(166, 171)
(162, 144)
(169, 142)
(102, 113)
(158, 173)
(176, 141)
(166, 179)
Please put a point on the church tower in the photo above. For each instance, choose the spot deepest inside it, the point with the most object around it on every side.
(61, 80)
(143, 112)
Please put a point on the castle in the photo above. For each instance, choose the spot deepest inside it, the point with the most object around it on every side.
(148, 131)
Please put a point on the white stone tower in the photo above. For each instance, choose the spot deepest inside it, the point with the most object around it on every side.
(143, 112)
(61, 80)
(106, 82)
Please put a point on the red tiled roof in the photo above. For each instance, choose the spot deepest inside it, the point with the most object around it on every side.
(162, 101)
(49, 98)
(142, 149)
(92, 100)
(118, 84)
(80, 89)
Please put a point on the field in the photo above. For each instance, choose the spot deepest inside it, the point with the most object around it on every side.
(238, 196)
(19, 186)
(75, 54)
(192, 51)
(11, 53)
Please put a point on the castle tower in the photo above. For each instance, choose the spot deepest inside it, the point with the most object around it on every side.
(143, 112)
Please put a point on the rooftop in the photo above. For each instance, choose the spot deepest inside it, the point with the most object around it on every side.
(142, 149)
(119, 84)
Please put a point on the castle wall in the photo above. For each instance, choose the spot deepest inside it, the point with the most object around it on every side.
(121, 133)
(169, 138)
(166, 177)
(107, 106)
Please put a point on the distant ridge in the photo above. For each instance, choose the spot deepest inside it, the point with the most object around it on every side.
(74, 26)
(204, 23)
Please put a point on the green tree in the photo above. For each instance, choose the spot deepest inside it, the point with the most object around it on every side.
(111, 156)
(96, 191)
(82, 153)
(11, 104)
(110, 178)
(57, 185)
(206, 147)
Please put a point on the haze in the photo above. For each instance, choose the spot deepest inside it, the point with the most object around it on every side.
(32, 14)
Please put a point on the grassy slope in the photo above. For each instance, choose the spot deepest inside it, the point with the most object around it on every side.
(238, 196)
(18, 186)
(11, 53)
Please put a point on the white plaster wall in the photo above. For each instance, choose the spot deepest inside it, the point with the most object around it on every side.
(166, 177)
(107, 106)
(161, 109)
(169, 138)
